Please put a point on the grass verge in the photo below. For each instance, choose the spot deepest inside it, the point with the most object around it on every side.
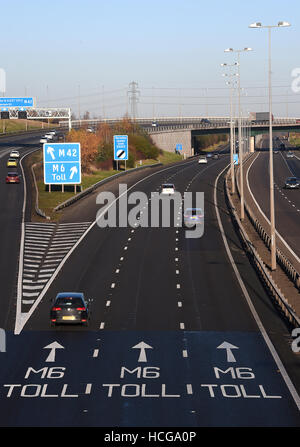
(49, 200)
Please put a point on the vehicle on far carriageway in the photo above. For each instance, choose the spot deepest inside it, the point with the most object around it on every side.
(12, 177)
(12, 162)
(292, 183)
(202, 160)
(69, 308)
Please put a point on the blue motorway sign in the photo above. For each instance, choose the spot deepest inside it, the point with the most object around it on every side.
(16, 102)
(178, 147)
(120, 147)
(62, 163)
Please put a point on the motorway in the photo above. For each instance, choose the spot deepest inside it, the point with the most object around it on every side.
(181, 334)
(287, 202)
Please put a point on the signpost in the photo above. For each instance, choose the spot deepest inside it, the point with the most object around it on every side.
(62, 164)
(120, 149)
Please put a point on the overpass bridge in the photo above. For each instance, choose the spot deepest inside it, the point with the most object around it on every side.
(166, 132)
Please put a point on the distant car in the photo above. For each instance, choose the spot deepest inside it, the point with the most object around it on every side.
(290, 154)
(12, 162)
(275, 152)
(193, 216)
(90, 129)
(14, 154)
(205, 121)
(168, 188)
(49, 136)
(44, 140)
(216, 156)
(292, 183)
(154, 124)
(202, 160)
(12, 177)
(69, 308)
(208, 155)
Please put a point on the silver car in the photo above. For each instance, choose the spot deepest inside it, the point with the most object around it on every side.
(193, 216)
(292, 183)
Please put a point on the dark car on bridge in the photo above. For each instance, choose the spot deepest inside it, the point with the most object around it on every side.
(69, 308)
(292, 183)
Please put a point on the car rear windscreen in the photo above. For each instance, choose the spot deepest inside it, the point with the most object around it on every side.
(69, 302)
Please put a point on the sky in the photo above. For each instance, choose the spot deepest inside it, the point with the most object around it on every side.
(84, 55)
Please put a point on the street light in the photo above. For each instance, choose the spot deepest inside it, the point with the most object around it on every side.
(272, 206)
(231, 50)
(231, 83)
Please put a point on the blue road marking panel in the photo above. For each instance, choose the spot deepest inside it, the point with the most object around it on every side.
(139, 379)
(120, 147)
(62, 163)
(235, 159)
(178, 147)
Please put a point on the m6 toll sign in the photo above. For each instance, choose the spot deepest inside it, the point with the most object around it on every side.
(62, 164)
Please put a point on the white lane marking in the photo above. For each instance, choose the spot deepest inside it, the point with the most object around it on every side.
(102, 325)
(179, 304)
(189, 388)
(108, 303)
(184, 353)
(96, 353)
(182, 326)
(265, 336)
(113, 285)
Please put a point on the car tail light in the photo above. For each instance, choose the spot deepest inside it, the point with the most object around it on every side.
(56, 308)
(80, 308)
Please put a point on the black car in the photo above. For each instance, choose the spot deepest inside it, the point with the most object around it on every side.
(69, 308)
(292, 183)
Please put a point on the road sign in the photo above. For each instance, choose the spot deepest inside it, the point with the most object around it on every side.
(16, 102)
(178, 147)
(120, 147)
(235, 159)
(62, 164)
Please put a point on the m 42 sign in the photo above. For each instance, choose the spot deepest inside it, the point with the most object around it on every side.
(62, 163)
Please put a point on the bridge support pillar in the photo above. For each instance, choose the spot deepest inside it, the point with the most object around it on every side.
(168, 140)
(252, 144)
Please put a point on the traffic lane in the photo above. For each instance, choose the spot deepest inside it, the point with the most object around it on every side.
(91, 265)
(174, 379)
(145, 284)
(11, 204)
(189, 368)
(286, 216)
(85, 209)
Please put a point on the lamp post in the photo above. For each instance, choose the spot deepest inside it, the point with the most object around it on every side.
(231, 50)
(272, 206)
(231, 84)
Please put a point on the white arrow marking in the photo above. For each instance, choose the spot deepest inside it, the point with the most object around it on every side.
(142, 346)
(50, 151)
(74, 170)
(228, 347)
(53, 346)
